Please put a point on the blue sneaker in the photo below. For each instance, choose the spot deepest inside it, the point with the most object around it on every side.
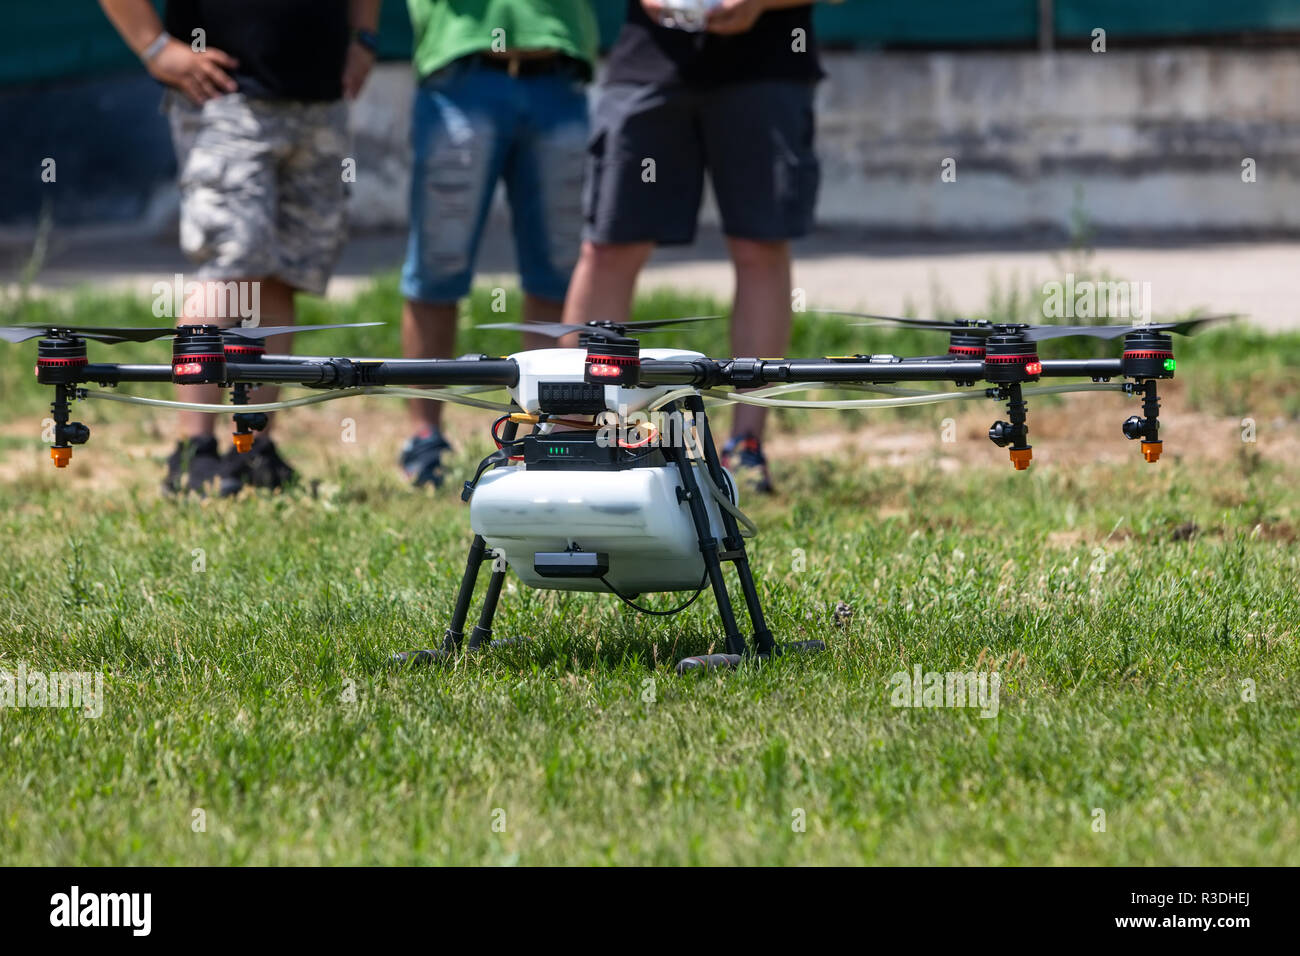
(744, 454)
(421, 457)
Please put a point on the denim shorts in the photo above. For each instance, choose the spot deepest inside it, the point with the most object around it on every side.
(471, 127)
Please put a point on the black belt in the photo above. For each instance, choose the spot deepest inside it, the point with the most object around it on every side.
(531, 65)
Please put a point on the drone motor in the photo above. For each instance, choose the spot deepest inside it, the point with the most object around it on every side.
(198, 355)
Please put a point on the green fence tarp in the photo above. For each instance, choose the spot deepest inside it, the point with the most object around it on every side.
(1175, 18)
(878, 23)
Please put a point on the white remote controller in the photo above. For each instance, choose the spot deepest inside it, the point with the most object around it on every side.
(688, 15)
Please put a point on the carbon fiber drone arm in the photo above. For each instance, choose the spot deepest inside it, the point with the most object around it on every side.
(745, 373)
(325, 372)
(317, 372)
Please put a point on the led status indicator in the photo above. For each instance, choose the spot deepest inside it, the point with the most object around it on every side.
(1170, 365)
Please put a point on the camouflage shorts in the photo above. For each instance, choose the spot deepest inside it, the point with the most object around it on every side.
(262, 188)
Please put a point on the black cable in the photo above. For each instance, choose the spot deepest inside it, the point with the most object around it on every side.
(645, 610)
(500, 442)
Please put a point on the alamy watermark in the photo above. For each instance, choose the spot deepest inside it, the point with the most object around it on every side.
(641, 429)
(132, 911)
(923, 688)
(211, 299)
(80, 690)
(1096, 299)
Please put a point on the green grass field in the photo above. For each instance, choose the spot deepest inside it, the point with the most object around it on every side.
(1142, 619)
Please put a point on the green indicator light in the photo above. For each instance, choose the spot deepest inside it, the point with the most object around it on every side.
(1170, 365)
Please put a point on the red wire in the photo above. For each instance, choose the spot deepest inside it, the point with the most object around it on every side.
(497, 438)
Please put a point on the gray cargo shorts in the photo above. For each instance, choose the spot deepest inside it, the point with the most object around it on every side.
(261, 186)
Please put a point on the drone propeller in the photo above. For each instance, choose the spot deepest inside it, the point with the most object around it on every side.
(266, 331)
(557, 330)
(21, 333)
(1038, 333)
(1034, 333)
(111, 335)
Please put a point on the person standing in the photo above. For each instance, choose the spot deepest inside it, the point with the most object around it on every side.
(255, 99)
(501, 98)
(735, 100)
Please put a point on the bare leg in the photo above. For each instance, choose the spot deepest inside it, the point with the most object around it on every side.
(428, 331)
(604, 281)
(760, 322)
(276, 308)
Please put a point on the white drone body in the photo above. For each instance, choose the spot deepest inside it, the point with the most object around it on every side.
(633, 516)
(566, 365)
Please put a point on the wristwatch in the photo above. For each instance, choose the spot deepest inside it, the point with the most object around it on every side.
(368, 39)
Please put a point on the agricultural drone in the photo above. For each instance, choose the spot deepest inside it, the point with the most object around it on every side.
(617, 486)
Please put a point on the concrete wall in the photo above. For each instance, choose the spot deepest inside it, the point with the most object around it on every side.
(1132, 143)
(1154, 140)
(1146, 143)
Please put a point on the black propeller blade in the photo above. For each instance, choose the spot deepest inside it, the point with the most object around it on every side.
(1038, 333)
(111, 335)
(99, 333)
(553, 330)
(650, 325)
(967, 326)
(266, 331)
(1035, 333)
(558, 330)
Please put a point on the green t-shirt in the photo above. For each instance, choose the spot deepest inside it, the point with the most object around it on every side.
(446, 30)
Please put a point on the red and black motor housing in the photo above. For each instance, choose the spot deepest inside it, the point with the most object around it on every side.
(59, 360)
(239, 349)
(612, 360)
(966, 346)
(1147, 354)
(198, 355)
(1010, 357)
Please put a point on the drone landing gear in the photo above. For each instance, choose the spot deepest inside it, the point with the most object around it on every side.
(480, 638)
(713, 552)
(733, 550)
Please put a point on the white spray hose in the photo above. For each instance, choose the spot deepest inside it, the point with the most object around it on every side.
(437, 395)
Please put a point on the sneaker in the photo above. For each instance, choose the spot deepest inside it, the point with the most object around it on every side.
(193, 466)
(743, 454)
(261, 466)
(421, 457)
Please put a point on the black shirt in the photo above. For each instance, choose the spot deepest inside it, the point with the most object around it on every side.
(646, 52)
(287, 49)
